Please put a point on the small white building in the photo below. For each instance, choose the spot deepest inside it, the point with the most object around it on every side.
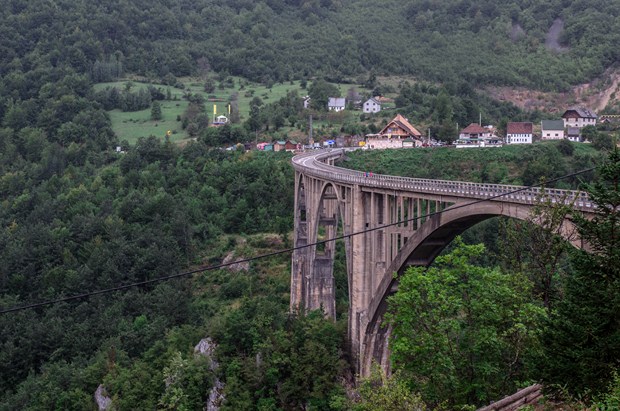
(552, 130)
(372, 105)
(519, 133)
(336, 103)
(573, 134)
(306, 101)
(220, 121)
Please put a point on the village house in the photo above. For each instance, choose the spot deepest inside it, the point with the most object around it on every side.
(578, 117)
(394, 134)
(336, 103)
(372, 105)
(519, 133)
(552, 129)
(279, 145)
(475, 131)
(306, 101)
(609, 118)
(573, 134)
(292, 145)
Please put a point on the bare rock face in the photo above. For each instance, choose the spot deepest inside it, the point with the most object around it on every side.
(206, 347)
(103, 401)
(236, 267)
(215, 396)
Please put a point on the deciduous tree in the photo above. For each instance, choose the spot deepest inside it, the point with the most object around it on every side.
(463, 333)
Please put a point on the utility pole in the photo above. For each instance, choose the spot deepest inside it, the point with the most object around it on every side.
(310, 140)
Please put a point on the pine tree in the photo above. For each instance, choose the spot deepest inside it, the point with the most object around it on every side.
(156, 111)
(582, 342)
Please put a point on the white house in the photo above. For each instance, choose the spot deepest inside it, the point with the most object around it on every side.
(336, 103)
(579, 117)
(519, 133)
(552, 129)
(306, 101)
(371, 105)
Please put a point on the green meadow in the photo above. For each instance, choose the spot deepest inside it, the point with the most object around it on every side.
(132, 125)
(135, 124)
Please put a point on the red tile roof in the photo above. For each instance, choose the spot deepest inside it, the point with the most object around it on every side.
(474, 128)
(519, 128)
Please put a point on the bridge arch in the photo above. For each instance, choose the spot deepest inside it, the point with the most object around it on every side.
(420, 250)
(327, 216)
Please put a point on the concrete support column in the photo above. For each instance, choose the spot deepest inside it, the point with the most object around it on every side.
(359, 291)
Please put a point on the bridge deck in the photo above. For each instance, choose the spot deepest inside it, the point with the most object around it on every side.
(314, 164)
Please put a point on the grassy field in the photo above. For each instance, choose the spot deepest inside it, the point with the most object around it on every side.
(132, 125)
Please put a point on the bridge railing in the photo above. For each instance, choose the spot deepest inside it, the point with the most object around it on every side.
(314, 164)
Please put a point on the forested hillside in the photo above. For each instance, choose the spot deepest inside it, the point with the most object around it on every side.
(507, 42)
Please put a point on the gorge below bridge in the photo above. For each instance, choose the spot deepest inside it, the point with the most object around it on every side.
(387, 224)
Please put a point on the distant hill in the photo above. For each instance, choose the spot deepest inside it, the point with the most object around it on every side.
(542, 44)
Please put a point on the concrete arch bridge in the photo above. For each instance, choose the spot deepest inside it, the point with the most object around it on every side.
(328, 197)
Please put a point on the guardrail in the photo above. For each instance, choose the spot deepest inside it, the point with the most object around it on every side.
(506, 193)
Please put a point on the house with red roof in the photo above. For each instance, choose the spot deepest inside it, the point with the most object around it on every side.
(394, 133)
(519, 133)
(475, 131)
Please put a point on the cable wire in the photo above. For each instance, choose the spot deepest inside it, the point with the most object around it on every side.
(287, 250)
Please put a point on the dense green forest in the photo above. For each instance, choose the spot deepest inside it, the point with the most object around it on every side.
(488, 42)
(78, 216)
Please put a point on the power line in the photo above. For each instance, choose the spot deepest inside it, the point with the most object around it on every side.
(288, 250)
